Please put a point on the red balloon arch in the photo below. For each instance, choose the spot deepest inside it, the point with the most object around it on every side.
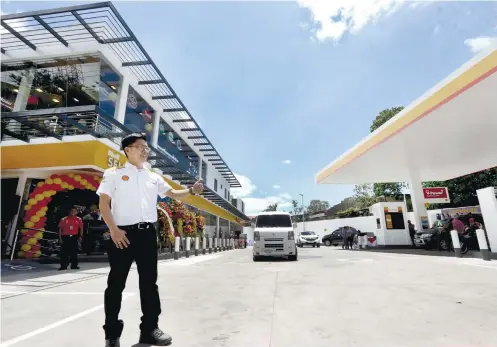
(36, 208)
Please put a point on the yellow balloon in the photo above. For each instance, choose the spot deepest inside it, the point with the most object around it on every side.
(41, 213)
(29, 224)
(57, 181)
(20, 254)
(32, 241)
(24, 231)
(49, 181)
(27, 207)
(38, 235)
(53, 192)
(84, 182)
(64, 185)
(77, 178)
(44, 208)
(46, 194)
(25, 248)
(40, 184)
(95, 178)
(70, 174)
(37, 253)
(70, 187)
(32, 202)
(35, 219)
(39, 197)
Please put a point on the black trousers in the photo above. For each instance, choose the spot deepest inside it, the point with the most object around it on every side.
(143, 250)
(69, 251)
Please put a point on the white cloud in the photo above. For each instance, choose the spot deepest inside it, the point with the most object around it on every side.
(255, 205)
(287, 161)
(478, 44)
(276, 186)
(337, 17)
(436, 30)
(247, 187)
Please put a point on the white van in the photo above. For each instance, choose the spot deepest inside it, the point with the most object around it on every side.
(274, 236)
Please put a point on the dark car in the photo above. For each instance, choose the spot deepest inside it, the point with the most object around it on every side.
(336, 237)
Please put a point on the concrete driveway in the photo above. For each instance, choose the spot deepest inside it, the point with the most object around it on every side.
(330, 297)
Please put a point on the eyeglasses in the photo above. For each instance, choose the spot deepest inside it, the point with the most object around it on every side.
(143, 148)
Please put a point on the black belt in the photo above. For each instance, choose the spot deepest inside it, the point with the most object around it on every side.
(139, 226)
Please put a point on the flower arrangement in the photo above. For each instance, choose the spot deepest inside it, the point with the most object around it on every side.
(185, 222)
(167, 234)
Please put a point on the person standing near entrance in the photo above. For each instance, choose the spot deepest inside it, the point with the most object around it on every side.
(128, 199)
(70, 234)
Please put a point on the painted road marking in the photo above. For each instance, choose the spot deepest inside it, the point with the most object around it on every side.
(57, 324)
(192, 261)
(56, 293)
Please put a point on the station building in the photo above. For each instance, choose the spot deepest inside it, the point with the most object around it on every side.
(74, 82)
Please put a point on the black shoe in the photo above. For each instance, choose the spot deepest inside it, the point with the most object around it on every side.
(156, 338)
(62, 268)
(110, 339)
(75, 267)
(112, 342)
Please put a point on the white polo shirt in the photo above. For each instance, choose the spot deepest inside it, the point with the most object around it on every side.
(133, 193)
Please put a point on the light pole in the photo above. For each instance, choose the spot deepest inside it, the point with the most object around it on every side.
(303, 212)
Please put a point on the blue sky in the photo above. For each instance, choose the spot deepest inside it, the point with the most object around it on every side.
(276, 81)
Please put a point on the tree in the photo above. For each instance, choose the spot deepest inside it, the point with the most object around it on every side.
(386, 189)
(271, 207)
(364, 196)
(384, 116)
(462, 190)
(296, 208)
(317, 206)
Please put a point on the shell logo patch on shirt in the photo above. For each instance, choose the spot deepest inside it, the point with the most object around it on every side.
(125, 178)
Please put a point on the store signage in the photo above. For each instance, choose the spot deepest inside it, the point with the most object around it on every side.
(437, 195)
(113, 159)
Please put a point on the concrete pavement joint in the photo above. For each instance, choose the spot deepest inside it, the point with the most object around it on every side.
(274, 305)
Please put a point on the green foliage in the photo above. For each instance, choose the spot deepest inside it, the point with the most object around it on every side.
(364, 196)
(272, 207)
(384, 116)
(317, 206)
(386, 189)
(462, 190)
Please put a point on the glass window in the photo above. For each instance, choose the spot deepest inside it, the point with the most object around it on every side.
(215, 185)
(204, 171)
(139, 115)
(169, 143)
(274, 221)
(62, 82)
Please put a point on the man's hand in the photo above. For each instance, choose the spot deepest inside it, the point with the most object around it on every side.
(119, 238)
(198, 187)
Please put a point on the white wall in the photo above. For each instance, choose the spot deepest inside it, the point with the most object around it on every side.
(488, 204)
(364, 224)
(249, 231)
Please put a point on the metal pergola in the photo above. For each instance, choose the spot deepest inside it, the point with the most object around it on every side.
(102, 23)
(91, 120)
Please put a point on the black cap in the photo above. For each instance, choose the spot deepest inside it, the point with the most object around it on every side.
(131, 138)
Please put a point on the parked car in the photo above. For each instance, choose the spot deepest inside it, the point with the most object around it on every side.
(308, 238)
(336, 237)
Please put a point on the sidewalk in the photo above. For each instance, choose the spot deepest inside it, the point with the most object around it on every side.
(417, 251)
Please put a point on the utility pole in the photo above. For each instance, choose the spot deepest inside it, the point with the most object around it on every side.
(303, 212)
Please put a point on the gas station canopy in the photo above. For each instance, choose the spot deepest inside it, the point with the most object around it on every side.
(449, 132)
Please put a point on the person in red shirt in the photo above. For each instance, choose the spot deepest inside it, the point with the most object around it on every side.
(70, 232)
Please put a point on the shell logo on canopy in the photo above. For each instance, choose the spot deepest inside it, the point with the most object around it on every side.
(37, 207)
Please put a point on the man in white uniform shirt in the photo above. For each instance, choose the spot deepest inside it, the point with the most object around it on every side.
(128, 199)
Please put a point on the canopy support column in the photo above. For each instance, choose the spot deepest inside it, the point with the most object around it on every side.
(417, 198)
